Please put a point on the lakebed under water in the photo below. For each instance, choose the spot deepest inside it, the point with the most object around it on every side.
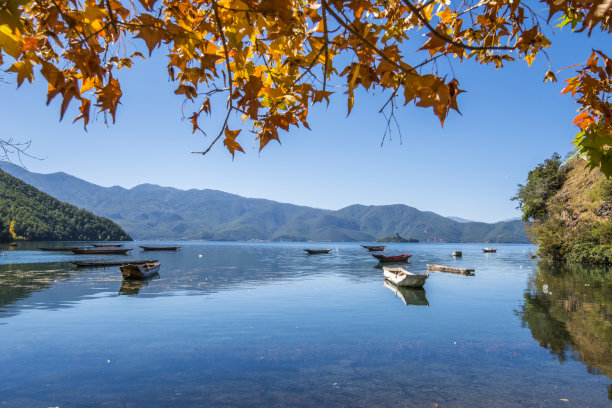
(265, 324)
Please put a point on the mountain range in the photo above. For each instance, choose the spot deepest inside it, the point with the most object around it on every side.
(152, 212)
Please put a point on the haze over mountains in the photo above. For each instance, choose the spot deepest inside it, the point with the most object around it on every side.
(151, 212)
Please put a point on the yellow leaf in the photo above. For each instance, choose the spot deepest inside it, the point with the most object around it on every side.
(230, 141)
(23, 70)
(9, 42)
(529, 58)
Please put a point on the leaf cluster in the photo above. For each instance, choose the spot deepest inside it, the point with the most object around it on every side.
(266, 62)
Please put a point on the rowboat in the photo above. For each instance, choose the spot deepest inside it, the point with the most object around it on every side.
(107, 245)
(401, 277)
(374, 248)
(67, 249)
(160, 248)
(144, 271)
(442, 268)
(112, 263)
(317, 251)
(489, 249)
(392, 258)
(106, 251)
(410, 296)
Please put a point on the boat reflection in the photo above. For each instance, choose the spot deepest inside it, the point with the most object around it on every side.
(568, 309)
(131, 287)
(409, 296)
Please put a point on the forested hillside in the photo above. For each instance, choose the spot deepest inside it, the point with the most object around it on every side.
(27, 213)
(569, 209)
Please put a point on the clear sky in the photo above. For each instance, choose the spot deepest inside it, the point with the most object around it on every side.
(470, 168)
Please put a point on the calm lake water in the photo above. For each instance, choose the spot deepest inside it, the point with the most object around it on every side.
(260, 325)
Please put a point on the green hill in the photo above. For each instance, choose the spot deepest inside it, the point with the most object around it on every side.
(27, 213)
(569, 209)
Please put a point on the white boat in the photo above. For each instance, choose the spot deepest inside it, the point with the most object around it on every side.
(401, 277)
(144, 271)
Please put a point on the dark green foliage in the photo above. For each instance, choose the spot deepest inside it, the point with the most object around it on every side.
(397, 238)
(4, 232)
(542, 183)
(38, 216)
(153, 212)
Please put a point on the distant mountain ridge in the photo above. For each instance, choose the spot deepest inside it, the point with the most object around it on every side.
(152, 212)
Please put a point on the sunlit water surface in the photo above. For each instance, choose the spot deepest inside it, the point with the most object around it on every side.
(260, 325)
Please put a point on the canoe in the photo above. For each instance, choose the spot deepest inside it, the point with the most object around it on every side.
(401, 277)
(112, 263)
(67, 249)
(410, 296)
(374, 248)
(104, 251)
(317, 251)
(442, 268)
(144, 271)
(392, 258)
(160, 248)
(107, 245)
(489, 250)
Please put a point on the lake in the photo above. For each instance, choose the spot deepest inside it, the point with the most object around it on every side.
(265, 324)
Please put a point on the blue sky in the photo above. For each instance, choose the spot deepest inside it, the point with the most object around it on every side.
(470, 168)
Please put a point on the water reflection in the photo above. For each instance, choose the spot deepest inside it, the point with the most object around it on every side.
(409, 296)
(568, 309)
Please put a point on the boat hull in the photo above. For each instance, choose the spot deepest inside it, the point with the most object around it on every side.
(402, 278)
(442, 268)
(317, 251)
(373, 248)
(101, 251)
(392, 258)
(144, 271)
(147, 248)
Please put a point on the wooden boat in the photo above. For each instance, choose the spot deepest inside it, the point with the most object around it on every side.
(112, 263)
(101, 251)
(442, 268)
(457, 254)
(392, 258)
(67, 249)
(144, 271)
(317, 251)
(401, 277)
(107, 245)
(374, 247)
(410, 296)
(489, 250)
(160, 248)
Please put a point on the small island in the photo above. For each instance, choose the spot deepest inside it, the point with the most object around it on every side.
(397, 238)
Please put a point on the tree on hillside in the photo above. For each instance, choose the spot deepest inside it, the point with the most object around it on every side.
(265, 62)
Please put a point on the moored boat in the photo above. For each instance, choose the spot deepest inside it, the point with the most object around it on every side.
(457, 254)
(101, 251)
(317, 251)
(392, 258)
(159, 248)
(489, 249)
(374, 247)
(144, 271)
(112, 263)
(401, 277)
(107, 245)
(67, 249)
(442, 268)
